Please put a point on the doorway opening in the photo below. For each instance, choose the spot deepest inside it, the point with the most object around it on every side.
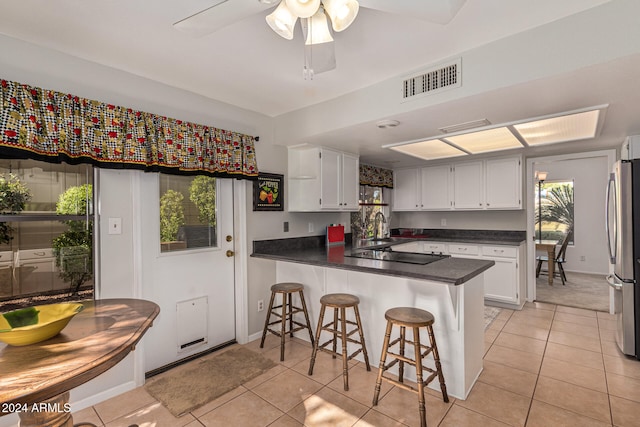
(566, 202)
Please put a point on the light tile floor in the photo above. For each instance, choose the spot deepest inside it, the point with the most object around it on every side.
(545, 365)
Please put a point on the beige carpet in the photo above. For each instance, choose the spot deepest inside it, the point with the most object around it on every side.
(582, 290)
(187, 387)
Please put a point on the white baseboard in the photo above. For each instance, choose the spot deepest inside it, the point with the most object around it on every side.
(100, 397)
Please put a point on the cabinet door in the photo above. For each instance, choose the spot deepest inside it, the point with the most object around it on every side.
(468, 186)
(501, 281)
(330, 181)
(405, 190)
(435, 186)
(503, 183)
(350, 182)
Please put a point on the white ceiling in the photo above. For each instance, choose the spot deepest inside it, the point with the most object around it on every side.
(247, 65)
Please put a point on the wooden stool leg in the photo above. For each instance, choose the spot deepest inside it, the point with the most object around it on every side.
(364, 346)
(436, 358)
(306, 315)
(290, 296)
(317, 341)
(266, 322)
(334, 326)
(383, 358)
(284, 325)
(345, 366)
(401, 363)
(419, 380)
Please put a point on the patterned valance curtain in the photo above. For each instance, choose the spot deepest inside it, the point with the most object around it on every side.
(47, 125)
(375, 176)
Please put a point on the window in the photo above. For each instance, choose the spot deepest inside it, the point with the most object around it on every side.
(187, 212)
(554, 204)
(363, 222)
(46, 229)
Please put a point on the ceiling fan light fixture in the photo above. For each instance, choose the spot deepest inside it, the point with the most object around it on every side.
(303, 8)
(282, 21)
(341, 12)
(318, 29)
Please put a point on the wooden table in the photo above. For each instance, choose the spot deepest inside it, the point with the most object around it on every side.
(35, 379)
(550, 247)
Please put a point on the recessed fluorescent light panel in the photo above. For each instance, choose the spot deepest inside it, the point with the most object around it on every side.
(429, 150)
(560, 129)
(486, 140)
(563, 127)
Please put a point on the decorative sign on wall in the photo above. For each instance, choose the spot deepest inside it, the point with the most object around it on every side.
(268, 192)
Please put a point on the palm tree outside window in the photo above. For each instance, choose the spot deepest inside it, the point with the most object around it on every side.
(556, 206)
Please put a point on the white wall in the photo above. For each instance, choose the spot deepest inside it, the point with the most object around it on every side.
(476, 220)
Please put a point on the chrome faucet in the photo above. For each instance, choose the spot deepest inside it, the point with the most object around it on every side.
(376, 224)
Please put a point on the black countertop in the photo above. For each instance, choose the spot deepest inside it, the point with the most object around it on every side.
(311, 250)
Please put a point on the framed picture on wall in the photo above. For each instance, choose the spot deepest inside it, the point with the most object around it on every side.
(268, 192)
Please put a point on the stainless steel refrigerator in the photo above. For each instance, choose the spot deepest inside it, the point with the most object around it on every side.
(623, 237)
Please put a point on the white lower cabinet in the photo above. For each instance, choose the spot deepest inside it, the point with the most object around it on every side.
(504, 283)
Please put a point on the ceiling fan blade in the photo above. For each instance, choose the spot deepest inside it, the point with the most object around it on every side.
(221, 14)
(437, 11)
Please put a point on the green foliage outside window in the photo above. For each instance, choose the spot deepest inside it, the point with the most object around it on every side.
(73, 249)
(171, 215)
(13, 197)
(202, 192)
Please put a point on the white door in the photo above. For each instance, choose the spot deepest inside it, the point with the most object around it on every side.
(194, 287)
(503, 183)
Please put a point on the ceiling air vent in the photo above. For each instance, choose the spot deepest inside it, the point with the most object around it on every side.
(435, 79)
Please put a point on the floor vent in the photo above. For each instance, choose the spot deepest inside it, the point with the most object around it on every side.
(435, 79)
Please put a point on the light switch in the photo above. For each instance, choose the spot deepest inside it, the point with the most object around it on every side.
(115, 225)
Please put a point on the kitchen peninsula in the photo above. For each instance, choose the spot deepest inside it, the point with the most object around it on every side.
(450, 288)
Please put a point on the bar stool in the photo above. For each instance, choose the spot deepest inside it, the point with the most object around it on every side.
(286, 290)
(338, 329)
(415, 319)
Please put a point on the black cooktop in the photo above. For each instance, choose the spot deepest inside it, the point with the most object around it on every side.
(407, 257)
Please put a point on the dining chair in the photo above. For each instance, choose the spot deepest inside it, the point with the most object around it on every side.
(559, 260)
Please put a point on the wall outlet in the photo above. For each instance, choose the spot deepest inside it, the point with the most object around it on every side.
(443, 222)
(260, 305)
(583, 258)
(310, 227)
(285, 227)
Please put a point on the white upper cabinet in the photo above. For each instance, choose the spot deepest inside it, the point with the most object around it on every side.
(483, 184)
(406, 190)
(350, 172)
(322, 179)
(468, 188)
(503, 183)
(436, 187)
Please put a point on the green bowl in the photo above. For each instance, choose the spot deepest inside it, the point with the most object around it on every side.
(35, 324)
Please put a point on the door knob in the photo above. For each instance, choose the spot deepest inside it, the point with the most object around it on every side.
(229, 238)
(230, 253)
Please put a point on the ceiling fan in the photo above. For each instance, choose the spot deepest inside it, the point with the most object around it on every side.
(319, 52)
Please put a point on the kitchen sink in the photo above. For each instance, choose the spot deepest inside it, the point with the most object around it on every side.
(406, 257)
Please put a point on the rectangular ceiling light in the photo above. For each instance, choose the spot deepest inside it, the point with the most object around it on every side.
(429, 150)
(486, 140)
(560, 129)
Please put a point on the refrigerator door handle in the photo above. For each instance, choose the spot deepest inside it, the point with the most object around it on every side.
(610, 193)
(611, 280)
